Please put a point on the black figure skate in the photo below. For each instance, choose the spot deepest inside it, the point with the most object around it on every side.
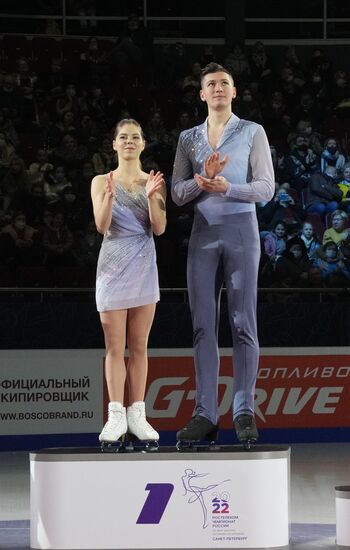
(199, 432)
(246, 431)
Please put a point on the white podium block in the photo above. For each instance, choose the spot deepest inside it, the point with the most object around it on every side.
(342, 514)
(230, 498)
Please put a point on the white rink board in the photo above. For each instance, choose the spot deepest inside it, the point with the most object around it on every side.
(50, 391)
(342, 507)
(170, 500)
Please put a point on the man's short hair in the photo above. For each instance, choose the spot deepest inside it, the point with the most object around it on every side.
(214, 68)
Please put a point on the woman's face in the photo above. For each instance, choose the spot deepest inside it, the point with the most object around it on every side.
(338, 223)
(280, 230)
(307, 230)
(128, 142)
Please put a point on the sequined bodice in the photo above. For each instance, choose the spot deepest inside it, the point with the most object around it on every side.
(130, 214)
(127, 270)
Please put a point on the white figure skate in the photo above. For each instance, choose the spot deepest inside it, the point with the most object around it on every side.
(115, 428)
(139, 430)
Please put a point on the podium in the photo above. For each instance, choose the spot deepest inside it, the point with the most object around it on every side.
(225, 498)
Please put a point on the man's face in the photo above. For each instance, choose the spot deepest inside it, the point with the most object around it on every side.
(217, 90)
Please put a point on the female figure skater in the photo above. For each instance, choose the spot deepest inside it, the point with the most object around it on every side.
(129, 206)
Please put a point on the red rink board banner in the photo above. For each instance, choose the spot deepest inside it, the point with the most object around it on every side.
(304, 388)
(60, 392)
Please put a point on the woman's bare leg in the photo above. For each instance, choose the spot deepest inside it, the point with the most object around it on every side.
(139, 324)
(114, 328)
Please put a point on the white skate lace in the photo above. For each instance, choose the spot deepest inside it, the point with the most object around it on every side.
(115, 418)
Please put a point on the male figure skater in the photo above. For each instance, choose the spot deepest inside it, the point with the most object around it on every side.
(224, 166)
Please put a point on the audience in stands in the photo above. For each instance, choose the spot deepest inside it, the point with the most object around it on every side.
(55, 120)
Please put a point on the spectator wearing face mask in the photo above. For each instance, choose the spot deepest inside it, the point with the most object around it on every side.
(312, 136)
(308, 108)
(293, 268)
(247, 107)
(58, 241)
(40, 166)
(316, 86)
(104, 158)
(54, 185)
(67, 101)
(331, 155)
(74, 213)
(291, 86)
(87, 250)
(22, 239)
(340, 89)
(273, 114)
(301, 163)
(323, 194)
(34, 205)
(344, 186)
(237, 62)
(331, 266)
(6, 153)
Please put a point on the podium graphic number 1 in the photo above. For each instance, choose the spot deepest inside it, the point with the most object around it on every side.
(155, 503)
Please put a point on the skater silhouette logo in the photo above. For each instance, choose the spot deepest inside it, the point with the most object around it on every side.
(196, 491)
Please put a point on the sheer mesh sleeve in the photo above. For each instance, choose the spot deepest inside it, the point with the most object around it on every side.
(262, 185)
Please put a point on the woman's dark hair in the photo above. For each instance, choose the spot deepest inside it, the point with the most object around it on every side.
(124, 121)
(280, 223)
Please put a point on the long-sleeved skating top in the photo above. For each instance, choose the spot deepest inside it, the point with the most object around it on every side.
(249, 170)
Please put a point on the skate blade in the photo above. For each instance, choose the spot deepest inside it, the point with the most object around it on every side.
(133, 444)
(111, 446)
(248, 444)
(195, 446)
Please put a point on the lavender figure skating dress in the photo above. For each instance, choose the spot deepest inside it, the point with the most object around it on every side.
(127, 274)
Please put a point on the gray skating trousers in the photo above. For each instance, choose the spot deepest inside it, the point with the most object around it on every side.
(224, 248)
